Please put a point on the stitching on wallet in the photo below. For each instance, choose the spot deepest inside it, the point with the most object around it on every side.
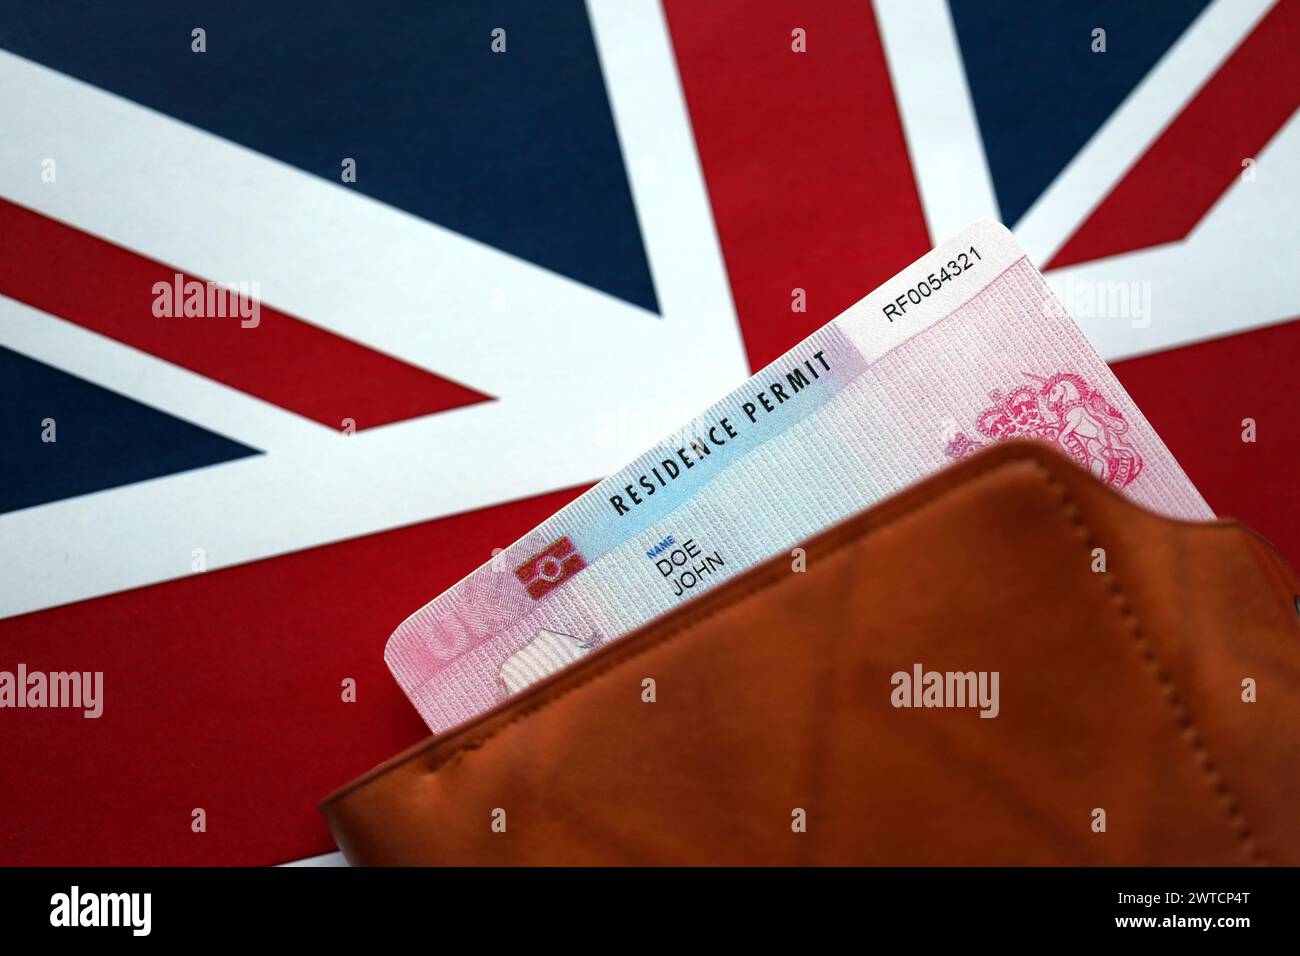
(1236, 818)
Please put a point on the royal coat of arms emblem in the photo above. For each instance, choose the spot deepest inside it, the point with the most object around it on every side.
(1063, 411)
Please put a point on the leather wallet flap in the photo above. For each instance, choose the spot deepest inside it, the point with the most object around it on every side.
(1006, 664)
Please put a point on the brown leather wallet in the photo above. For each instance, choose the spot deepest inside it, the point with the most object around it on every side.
(1146, 713)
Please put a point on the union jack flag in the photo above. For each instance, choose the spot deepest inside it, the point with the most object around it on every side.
(471, 257)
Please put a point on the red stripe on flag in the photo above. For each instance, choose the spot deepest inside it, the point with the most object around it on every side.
(222, 692)
(1197, 398)
(1185, 171)
(804, 157)
(283, 360)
